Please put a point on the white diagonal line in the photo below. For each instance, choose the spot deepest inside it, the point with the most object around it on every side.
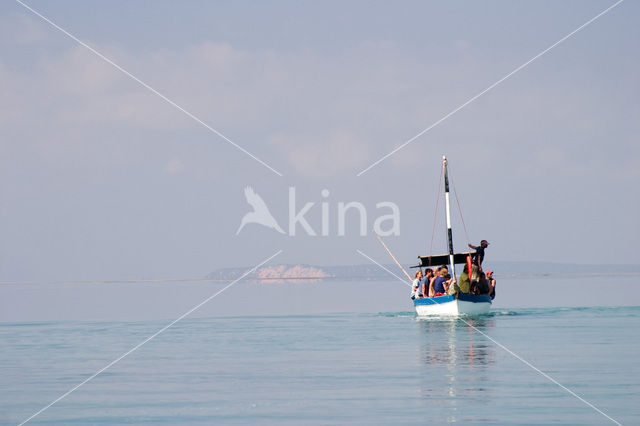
(152, 336)
(383, 267)
(541, 372)
(410, 285)
(490, 87)
(527, 363)
(145, 85)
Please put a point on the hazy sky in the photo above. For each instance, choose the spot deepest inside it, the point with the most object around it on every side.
(102, 179)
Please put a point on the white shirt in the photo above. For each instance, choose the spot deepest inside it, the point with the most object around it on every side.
(415, 289)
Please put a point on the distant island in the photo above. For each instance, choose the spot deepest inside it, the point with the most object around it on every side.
(367, 272)
(370, 272)
(302, 272)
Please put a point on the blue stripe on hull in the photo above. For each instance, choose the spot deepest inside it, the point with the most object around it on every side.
(433, 300)
(475, 298)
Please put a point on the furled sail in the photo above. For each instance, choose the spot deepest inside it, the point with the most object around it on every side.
(441, 259)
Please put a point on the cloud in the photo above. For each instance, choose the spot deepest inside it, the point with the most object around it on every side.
(84, 147)
(322, 113)
(173, 166)
(21, 30)
(322, 156)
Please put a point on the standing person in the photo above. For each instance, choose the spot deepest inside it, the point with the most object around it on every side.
(492, 284)
(415, 289)
(438, 282)
(426, 281)
(478, 256)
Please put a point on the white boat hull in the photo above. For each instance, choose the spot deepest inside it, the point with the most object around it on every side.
(463, 304)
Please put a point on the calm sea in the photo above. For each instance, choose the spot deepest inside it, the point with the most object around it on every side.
(376, 367)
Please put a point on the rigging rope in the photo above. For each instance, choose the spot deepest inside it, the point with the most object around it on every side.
(435, 216)
(464, 225)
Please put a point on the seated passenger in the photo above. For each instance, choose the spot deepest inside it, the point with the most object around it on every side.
(438, 282)
(483, 284)
(475, 273)
(492, 284)
(451, 285)
(426, 281)
(475, 278)
(447, 283)
(436, 274)
(464, 283)
(415, 292)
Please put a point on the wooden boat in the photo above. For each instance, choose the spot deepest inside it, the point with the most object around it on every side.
(459, 303)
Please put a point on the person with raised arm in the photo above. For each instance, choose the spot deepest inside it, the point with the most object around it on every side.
(478, 256)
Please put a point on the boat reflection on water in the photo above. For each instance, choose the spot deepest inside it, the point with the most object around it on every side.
(457, 364)
(453, 343)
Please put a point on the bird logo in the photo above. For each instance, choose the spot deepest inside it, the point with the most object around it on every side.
(260, 213)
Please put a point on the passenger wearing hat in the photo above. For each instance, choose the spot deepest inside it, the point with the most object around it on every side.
(478, 256)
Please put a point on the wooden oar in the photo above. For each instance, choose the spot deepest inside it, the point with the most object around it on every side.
(392, 256)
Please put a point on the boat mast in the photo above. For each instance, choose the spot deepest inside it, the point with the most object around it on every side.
(449, 233)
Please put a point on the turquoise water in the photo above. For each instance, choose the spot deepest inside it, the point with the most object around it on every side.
(373, 368)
